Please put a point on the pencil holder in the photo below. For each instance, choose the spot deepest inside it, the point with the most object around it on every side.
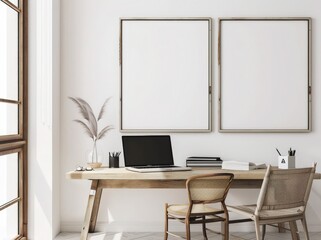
(286, 162)
(113, 162)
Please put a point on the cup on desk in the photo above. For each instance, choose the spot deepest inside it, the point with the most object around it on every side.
(286, 162)
(113, 162)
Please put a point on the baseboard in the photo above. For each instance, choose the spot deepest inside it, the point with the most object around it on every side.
(159, 227)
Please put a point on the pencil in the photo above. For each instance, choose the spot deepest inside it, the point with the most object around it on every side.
(278, 151)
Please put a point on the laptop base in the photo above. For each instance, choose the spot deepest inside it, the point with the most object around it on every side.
(167, 169)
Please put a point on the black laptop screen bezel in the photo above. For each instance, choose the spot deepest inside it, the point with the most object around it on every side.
(143, 145)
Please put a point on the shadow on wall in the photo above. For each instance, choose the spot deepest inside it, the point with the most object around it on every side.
(40, 203)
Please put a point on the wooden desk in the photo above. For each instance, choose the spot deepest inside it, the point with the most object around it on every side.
(121, 178)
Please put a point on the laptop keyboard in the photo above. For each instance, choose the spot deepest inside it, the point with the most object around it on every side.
(156, 166)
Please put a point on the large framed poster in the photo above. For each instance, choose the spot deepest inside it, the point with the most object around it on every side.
(265, 74)
(165, 74)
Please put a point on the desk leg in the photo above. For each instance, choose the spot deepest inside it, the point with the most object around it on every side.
(92, 209)
(294, 230)
(94, 214)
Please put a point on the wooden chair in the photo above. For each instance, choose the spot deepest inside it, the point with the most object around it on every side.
(202, 191)
(283, 198)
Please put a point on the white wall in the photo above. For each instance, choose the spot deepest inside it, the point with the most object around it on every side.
(90, 69)
(44, 119)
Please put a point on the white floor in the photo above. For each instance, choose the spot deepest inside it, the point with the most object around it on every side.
(196, 236)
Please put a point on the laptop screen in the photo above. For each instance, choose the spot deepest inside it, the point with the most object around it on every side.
(147, 150)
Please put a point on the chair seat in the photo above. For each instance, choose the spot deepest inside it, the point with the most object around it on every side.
(181, 209)
(248, 210)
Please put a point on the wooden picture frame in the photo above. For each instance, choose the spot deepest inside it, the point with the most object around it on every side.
(165, 74)
(265, 75)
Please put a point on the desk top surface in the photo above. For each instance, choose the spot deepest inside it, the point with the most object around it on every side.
(123, 174)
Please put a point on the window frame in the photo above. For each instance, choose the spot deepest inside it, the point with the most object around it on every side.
(20, 102)
(17, 143)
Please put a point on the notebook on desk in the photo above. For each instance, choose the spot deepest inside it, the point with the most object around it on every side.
(149, 154)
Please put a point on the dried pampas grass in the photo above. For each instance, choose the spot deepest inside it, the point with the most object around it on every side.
(90, 122)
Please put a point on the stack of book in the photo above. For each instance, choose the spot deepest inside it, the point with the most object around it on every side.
(236, 165)
(204, 162)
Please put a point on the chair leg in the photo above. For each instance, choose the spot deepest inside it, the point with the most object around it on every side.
(204, 228)
(166, 223)
(188, 230)
(257, 230)
(226, 222)
(226, 229)
(305, 228)
(263, 231)
(294, 230)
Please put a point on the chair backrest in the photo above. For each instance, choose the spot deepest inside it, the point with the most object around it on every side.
(285, 188)
(209, 188)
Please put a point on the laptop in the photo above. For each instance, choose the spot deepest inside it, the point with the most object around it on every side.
(149, 154)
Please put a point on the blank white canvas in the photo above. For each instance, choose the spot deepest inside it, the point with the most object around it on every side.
(165, 75)
(264, 75)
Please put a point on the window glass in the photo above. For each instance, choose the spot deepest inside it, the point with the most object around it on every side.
(9, 222)
(15, 2)
(8, 119)
(9, 173)
(9, 57)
